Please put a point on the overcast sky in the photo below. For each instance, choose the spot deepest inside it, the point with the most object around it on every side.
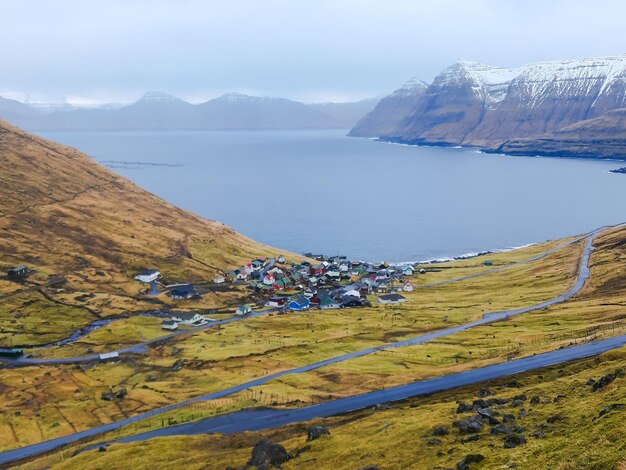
(317, 50)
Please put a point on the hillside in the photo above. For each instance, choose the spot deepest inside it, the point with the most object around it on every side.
(479, 105)
(64, 214)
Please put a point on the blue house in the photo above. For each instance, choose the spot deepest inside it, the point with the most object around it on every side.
(300, 303)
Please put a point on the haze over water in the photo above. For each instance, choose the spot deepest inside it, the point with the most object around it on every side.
(319, 191)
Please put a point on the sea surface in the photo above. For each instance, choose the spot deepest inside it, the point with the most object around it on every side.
(323, 192)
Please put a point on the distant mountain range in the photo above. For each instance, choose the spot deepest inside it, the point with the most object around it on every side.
(160, 111)
(568, 108)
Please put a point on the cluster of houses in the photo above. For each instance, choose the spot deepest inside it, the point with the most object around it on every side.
(325, 284)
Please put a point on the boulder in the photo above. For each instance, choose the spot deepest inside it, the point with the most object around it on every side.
(469, 425)
(267, 453)
(521, 413)
(517, 402)
(501, 429)
(507, 418)
(612, 407)
(121, 393)
(108, 396)
(370, 467)
(469, 460)
(485, 392)
(434, 442)
(473, 437)
(315, 432)
(603, 381)
(488, 415)
(464, 407)
(534, 400)
(440, 431)
(514, 440)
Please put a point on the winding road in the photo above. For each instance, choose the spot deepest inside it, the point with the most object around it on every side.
(264, 419)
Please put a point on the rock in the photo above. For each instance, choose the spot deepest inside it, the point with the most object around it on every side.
(464, 407)
(108, 396)
(488, 415)
(534, 400)
(102, 449)
(497, 401)
(473, 437)
(315, 432)
(514, 440)
(485, 392)
(121, 393)
(178, 365)
(538, 434)
(507, 418)
(370, 467)
(150, 378)
(521, 397)
(469, 460)
(612, 407)
(558, 398)
(521, 413)
(434, 442)
(553, 419)
(440, 431)
(603, 382)
(267, 453)
(469, 425)
(501, 429)
(480, 404)
(517, 403)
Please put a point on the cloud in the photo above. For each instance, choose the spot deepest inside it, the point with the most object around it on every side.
(117, 49)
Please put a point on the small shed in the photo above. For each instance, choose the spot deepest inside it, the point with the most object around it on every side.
(488, 262)
(219, 280)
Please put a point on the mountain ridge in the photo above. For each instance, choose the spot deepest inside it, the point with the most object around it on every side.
(473, 104)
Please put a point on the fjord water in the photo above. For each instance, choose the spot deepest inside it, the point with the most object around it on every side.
(320, 191)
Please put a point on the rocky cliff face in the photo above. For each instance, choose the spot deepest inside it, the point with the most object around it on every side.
(478, 105)
(601, 137)
(390, 111)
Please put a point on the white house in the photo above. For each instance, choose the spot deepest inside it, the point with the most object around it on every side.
(332, 273)
(280, 259)
(351, 293)
(243, 310)
(188, 318)
(408, 287)
(219, 280)
(408, 270)
(148, 276)
(169, 325)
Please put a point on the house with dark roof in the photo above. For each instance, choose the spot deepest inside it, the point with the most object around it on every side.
(391, 299)
(183, 292)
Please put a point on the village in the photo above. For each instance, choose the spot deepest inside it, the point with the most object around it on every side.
(280, 286)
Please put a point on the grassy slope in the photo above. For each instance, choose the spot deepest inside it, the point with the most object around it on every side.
(63, 214)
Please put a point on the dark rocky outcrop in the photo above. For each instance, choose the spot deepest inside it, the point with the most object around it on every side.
(469, 459)
(441, 431)
(315, 432)
(514, 440)
(267, 454)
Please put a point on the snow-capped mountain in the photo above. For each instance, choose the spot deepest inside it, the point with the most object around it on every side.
(390, 110)
(475, 104)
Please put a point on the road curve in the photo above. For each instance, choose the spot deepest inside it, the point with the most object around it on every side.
(565, 355)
